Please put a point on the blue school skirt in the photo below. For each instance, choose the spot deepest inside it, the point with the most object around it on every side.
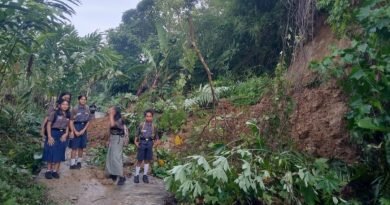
(79, 142)
(55, 153)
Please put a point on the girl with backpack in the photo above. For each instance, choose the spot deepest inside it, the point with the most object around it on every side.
(53, 107)
(56, 139)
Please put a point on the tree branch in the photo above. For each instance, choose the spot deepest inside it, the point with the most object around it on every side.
(200, 56)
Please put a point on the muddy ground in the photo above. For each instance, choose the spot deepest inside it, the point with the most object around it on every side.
(89, 185)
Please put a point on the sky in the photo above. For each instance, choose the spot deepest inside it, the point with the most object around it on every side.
(100, 15)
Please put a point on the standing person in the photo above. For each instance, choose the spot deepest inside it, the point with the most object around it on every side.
(79, 124)
(56, 140)
(145, 138)
(118, 138)
(63, 96)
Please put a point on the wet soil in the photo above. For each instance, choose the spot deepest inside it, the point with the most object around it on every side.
(89, 185)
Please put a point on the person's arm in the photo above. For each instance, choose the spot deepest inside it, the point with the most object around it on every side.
(43, 127)
(50, 119)
(111, 116)
(50, 139)
(65, 135)
(87, 125)
(126, 136)
(73, 131)
(85, 128)
(111, 113)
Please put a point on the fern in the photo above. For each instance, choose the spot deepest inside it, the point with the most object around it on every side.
(203, 97)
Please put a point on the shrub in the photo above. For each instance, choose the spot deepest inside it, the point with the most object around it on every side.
(172, 120)
(17, 185)
(250, 91)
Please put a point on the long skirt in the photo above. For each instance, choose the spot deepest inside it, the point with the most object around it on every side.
(55, 153)
(114, 161)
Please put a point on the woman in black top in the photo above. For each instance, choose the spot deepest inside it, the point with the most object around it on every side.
(118, 138)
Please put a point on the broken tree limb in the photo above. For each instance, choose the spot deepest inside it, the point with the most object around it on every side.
(200, 56)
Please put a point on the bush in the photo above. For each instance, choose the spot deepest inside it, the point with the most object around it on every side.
(17, 185)
(99, 156)
(257, 176)
(250, 91)
(172, 120)
(165, 160)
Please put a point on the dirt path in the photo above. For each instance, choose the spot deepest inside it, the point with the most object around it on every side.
(89, 186)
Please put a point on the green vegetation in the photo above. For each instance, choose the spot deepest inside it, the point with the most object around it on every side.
(364, 72)
(249, 92)
(17, 185)
(168, 55)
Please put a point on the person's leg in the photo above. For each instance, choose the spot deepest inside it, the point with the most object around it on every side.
(140, 159)
(49, 170)
(145, 175)
(56, 168)
(138, 167)
(49, 166)
(81, 147)
(109, 161)
(122, 178)
(80, 157)
(137, 171)
(148, 158)
(73, 155)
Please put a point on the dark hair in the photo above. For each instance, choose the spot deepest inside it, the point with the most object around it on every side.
(59, 111)
(148, 111)
(118, 114)
(80, 96)
(63, 94)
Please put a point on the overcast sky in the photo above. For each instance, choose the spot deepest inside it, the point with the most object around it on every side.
(100, 15)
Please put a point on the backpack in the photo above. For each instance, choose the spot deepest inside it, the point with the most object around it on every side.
(54, 120)
(143, 126)
(45, 126)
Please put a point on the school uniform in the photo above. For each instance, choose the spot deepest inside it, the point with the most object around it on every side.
(56, 153)
(146, 133)
(80, 116)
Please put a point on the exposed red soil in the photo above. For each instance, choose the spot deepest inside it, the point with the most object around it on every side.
(98, 132)
(318, 121)
(317, 124)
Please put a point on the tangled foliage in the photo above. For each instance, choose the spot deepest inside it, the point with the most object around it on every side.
(364, 71)
(251, 175)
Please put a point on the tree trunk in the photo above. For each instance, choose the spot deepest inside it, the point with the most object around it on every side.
(140, 88)
(29, 65)
(200, 56)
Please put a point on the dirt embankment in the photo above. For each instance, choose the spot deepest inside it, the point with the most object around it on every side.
(317, 123)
